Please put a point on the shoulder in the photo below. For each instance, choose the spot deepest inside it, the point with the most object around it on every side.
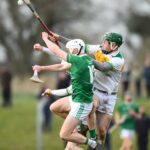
(117, 60)
(71, 57)
(117, 57)
(74, 59)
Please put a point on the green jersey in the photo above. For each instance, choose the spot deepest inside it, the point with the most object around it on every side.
(81, 77)
(124, 109)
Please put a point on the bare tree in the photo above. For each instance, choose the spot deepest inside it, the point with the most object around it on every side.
(20, 30)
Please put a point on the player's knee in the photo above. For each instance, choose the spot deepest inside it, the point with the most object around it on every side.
(102, 131)
(53, 108)
(63, 136)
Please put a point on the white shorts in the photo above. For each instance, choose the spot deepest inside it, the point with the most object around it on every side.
(107, 102)
(80, 110)
(127, 133)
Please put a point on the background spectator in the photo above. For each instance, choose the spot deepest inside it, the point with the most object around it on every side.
(126, 79)
(6, 80)
(127, 110)
(44, 104)
(136, 78)
(147, 75)
(142, 128)
(63, 80)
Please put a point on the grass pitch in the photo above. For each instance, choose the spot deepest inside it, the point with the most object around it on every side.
(18, 126)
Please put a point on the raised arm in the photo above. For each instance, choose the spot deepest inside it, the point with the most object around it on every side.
(55, 67)
(59, 38)
(39, 47)
(53, 47)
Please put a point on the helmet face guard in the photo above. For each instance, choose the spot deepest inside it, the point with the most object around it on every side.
(113, 37)
(76, 44)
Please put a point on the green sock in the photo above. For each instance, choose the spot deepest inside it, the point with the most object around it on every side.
(92, 134)
(86, 142)
(80, 127)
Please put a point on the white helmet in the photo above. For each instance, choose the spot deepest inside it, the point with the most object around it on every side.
(76, 46)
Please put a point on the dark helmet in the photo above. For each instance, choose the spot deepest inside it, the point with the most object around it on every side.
(113, 37)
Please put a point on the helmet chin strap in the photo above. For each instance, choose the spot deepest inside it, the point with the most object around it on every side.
(112, 49)
(80, 50)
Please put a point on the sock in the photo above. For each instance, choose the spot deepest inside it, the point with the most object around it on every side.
(80, 127)
(86, 142)
(92, 134)
(91, 143)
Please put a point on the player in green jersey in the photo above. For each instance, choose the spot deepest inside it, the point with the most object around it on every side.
(128, 110)
(109, 65)
(81, 69)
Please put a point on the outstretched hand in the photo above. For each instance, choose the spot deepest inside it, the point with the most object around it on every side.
(37, 68)
(54, 37)
(47, 92)
(45, 35)
(38, 47)
(52, 46)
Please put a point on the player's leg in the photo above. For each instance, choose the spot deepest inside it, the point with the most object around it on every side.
(82, 129)
(126, 136)
(103, 122)
(123, 145)
(61, 107)
(123, 134)
(129, 144)
(67, 133)
(126, 144)
(91, 125)
(91, 119)
(78, 112)
(104, 113)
